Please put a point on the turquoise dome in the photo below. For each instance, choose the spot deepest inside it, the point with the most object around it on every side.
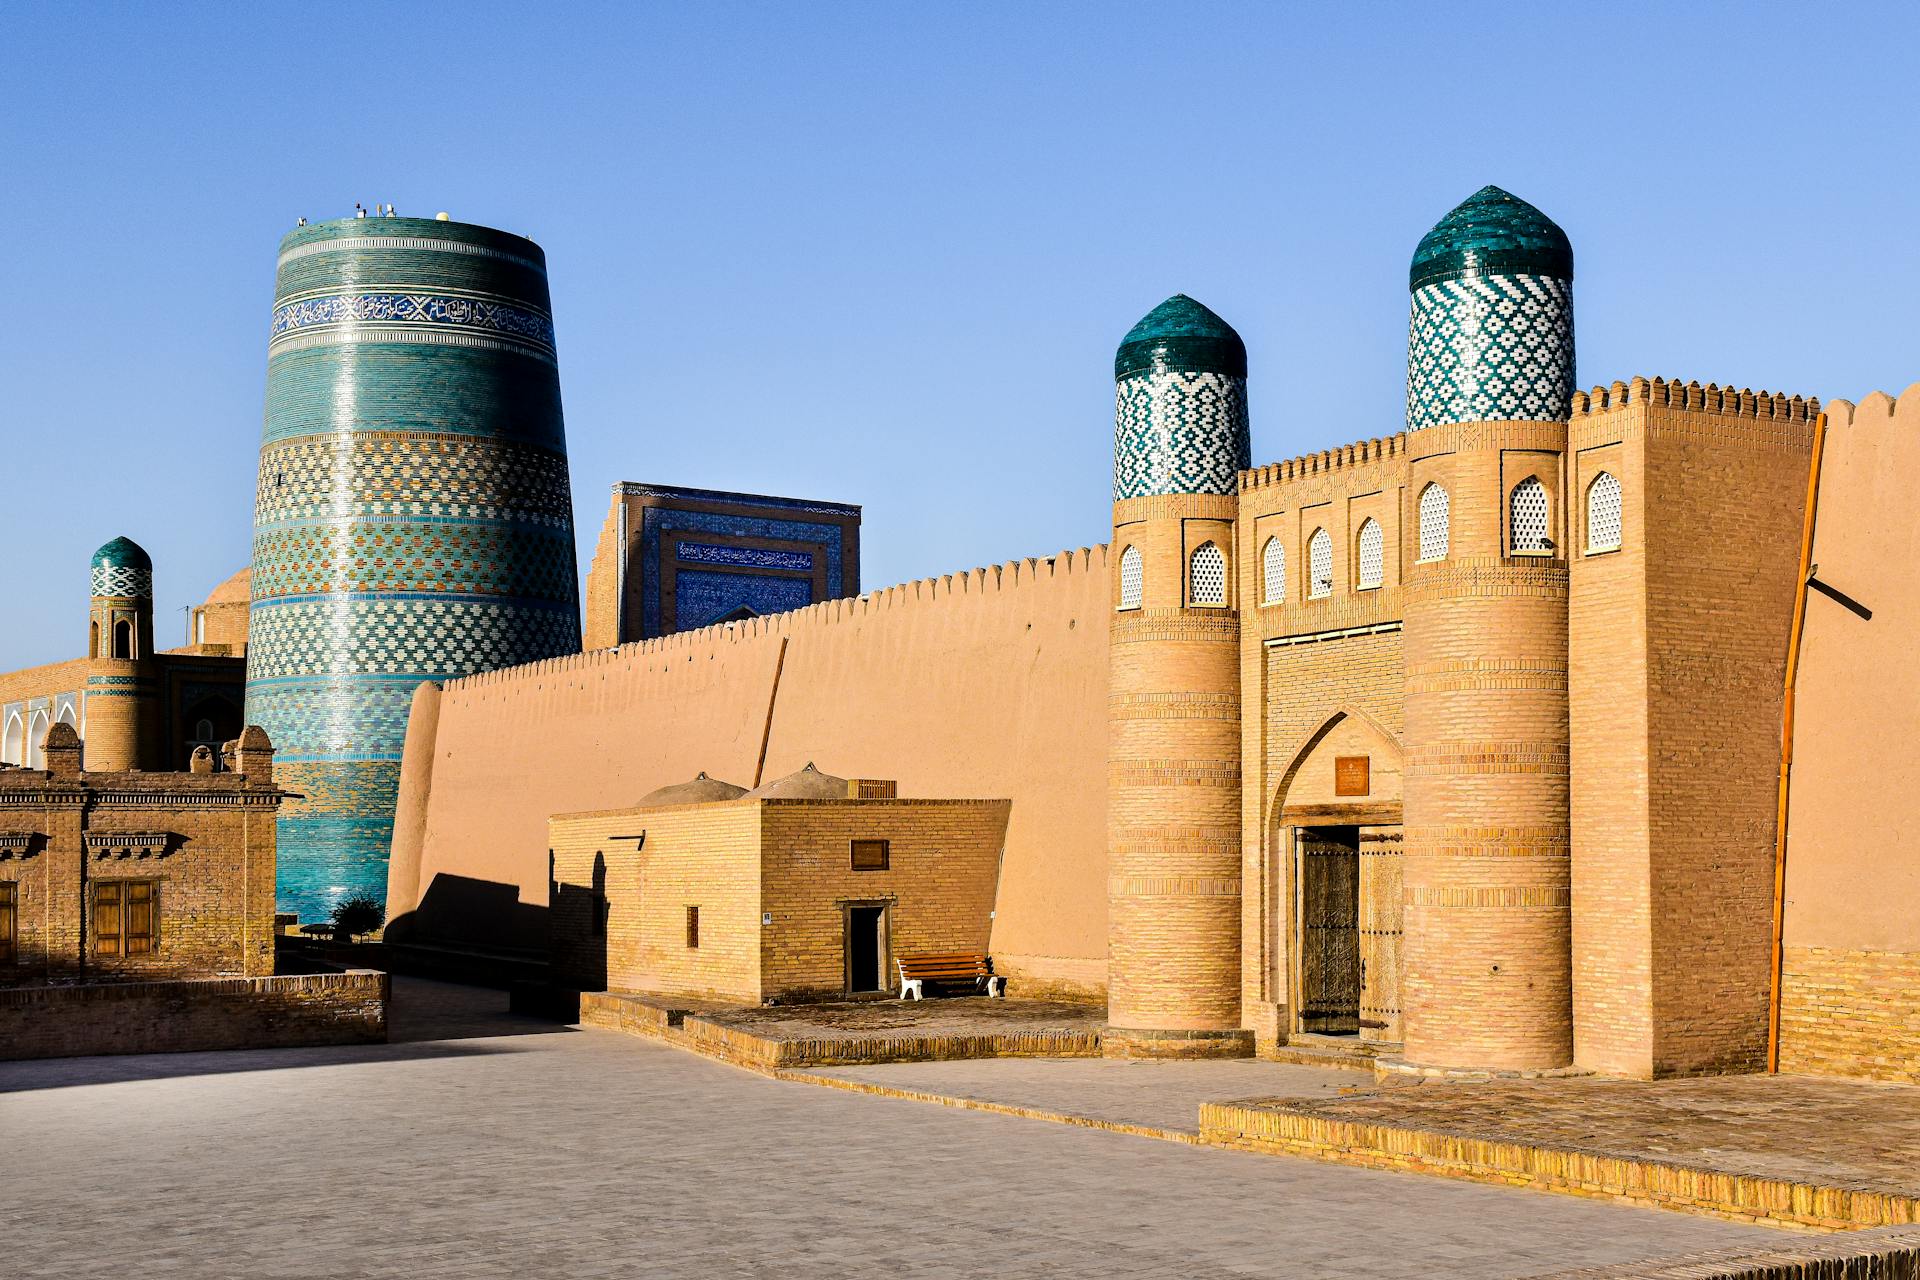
(1492, 232)
(1181, 334)
(122, 553)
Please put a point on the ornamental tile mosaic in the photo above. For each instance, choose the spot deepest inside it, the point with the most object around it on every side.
(698, 595)
(122, 580)
(491, 316)
(747, 557)
(702, 598)
(373, 475)
(413, 516)
(1179, 432)
(1490, 348)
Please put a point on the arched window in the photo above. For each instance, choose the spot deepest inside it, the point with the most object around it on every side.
(203, 731)
(93, 639)
(1130, 578)
(13, 744)
(1527, 513)
(1433, 523)
(1207, 575)
(1373, 554)
(37, 740)
(1319, 565)
(1273, 572)
(123, 639)
(1603, 513)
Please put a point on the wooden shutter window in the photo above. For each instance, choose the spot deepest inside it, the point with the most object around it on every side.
(139, 931)
(870, 855)
(106, 917)
(9, 913)
(693, 927)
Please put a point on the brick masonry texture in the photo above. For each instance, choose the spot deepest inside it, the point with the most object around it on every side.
(194, 1015)
(205, 841)
(739, 861)
(1851, 1013)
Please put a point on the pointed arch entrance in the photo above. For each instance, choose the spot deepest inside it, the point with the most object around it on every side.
(1336, 825)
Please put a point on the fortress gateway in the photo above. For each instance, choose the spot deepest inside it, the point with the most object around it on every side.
(1460, 747)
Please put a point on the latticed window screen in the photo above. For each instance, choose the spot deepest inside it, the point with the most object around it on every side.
(1273, 572)
(1209, 574)
(1373, 554)
(1130, 578)
(1433, 523)
(1319, 564)
(1529, 517)
(1603, 513)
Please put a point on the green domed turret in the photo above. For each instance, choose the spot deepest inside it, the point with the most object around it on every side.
(123, 568)
(1492, 232)
(1181, 334)
(1491, 332)
(1180, 415)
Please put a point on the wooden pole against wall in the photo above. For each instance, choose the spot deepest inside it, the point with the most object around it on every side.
(1786, 747)
(773, 696)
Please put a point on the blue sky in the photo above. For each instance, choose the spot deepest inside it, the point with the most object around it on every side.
(882, 253)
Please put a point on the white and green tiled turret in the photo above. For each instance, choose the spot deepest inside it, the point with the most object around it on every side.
(1173, 767)
(1486, 958)
(413, 520)
(122, 712)
(1491, 332)
(1180, 412)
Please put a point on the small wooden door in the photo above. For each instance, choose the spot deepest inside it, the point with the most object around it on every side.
(1329, 877)
(1382, 885)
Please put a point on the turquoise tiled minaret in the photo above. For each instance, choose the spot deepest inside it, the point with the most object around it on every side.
(1180, 412)
(413, 519)
(1491, 333)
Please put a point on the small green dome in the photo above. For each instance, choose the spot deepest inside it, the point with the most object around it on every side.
(122, 553)
(1181, 334)
(1492, 232)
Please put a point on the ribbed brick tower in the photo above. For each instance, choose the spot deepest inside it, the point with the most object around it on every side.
(1173, 800)
(123, 689)
(413, 519)
(1489, 382)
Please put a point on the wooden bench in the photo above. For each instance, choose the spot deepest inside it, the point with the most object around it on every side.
(968, 967)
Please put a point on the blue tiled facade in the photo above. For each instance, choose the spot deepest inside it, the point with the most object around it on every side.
(699, 556)
(413, 519)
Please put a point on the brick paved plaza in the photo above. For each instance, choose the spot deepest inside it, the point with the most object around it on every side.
(479, 1144)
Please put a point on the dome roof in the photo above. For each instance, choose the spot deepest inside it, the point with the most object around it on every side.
(1181, 334)
(701, 790)
(235, 590)
(1492, 232)
(804, 784)
(122, 553)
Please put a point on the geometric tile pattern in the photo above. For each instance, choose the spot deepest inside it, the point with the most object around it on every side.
(1433, 523)
(1273, 572)
(1490, 348)
(1207, 575)
(1319, 565)
(1528, 517)
(701, 598)
(123, 580)
(749, 557)
(1132, 578)
(1179, 431)
(1372, 554)
(413, 515)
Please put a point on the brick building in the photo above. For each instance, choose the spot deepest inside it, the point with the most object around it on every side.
(135, 705)
(805, 887)
(126, 874)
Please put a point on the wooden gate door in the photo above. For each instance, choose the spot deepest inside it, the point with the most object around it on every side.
(1329, 870)
(1381, 887)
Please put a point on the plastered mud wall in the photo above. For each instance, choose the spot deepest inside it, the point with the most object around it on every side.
(982, 685)
(1851, 996)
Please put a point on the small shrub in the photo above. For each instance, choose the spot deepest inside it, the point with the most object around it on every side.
(356, 916)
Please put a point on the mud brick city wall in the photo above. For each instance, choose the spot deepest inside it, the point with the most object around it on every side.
(1726, 489)
(988, 683)
(194, 1015)
(1851, 991)
(705, 856)
(943, 860)
(1336, 694)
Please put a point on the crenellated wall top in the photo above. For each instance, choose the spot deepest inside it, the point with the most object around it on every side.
(979, 583)
(1327, 460)
(1712, 398)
